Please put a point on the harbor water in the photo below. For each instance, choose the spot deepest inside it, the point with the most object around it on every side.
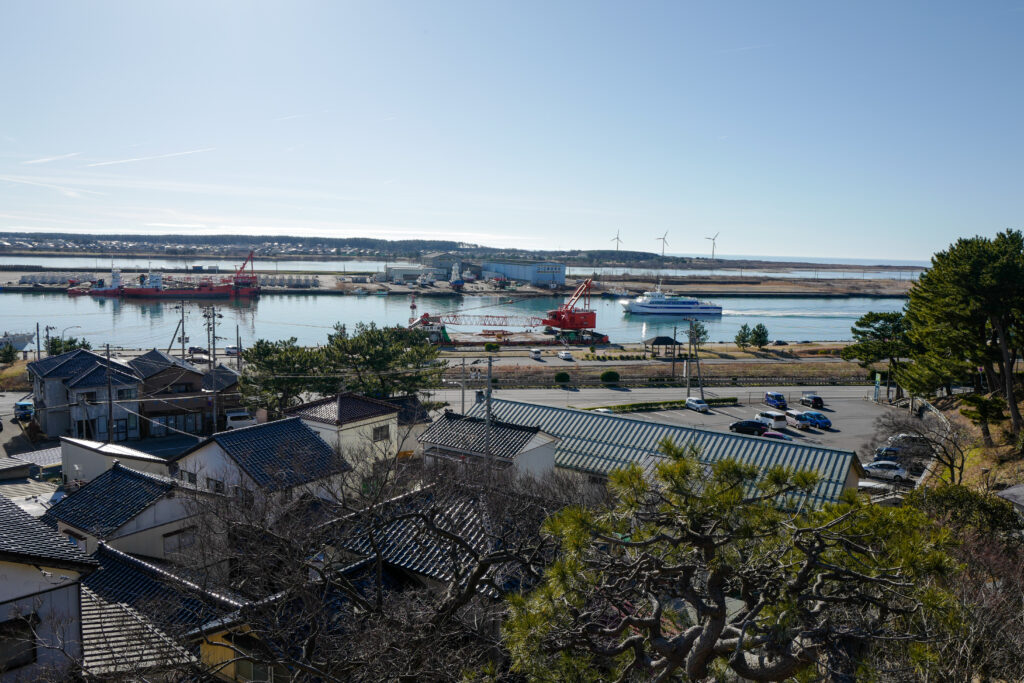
(309, 318)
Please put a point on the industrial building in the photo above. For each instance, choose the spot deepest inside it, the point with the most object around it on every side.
(540, 273)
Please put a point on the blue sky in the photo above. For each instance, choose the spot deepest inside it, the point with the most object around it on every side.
(866, 130)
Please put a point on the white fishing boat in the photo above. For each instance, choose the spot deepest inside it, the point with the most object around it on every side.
(658, 303)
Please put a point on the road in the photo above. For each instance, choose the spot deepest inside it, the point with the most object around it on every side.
(852, 416)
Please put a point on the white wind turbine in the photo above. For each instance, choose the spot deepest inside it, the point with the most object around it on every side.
(618, 242)
(664, 243)
(713, 244)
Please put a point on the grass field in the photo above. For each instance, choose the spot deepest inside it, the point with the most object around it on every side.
(14, 378)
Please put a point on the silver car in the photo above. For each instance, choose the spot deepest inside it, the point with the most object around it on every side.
(886, 469)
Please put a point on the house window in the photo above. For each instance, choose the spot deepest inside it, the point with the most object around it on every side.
(76, 540)
(190, 477)
(381, 433)
(177, 541)
(127, 394)
(215, 485)
(87, 396)
(158, 427)
(17, 643)
(190, 423)
(179, 388)
(133, 423)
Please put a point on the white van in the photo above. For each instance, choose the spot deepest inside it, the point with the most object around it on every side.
(535, 354)
(698, 404)
(233, 419)
(565, 355)
(771, 418)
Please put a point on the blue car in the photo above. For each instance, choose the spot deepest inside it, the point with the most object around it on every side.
(818, 420)
(24, 410)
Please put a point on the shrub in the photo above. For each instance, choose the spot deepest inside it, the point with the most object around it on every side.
(609, 377)
(491, 347)
(593, 348)
(562, 378)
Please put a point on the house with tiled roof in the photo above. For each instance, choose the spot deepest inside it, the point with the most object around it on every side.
(40, 597)
(175, 400)
(133, 511)
(70, 395)
(82, 460)
(285, 457)
(362, 429)
(456, 438)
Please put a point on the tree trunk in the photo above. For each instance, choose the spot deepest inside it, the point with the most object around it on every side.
(990, 375)
(1011, 402)
(986, 435)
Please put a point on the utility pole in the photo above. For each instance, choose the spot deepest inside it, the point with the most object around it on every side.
(686, 366)
(487, 406)
(238, 347)
(38, 345)
(700, 380)
(463, 385)
(110, 401)
(675, 350)
(182, 304)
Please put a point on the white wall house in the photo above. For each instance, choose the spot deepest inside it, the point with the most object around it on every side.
(132, 511)
(362, 430)
(83, 460)
(40, 597)
(457, 438)
(285, 457)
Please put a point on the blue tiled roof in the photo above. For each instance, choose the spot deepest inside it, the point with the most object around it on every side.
(110, 500)
(96, 376)
(70, 360)
(279, 455)
(24, 538)
(156, 361)
(168, 599)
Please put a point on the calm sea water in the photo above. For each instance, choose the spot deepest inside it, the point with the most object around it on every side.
(309, 318)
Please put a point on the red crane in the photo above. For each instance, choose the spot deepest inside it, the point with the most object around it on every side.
(243, 279)
(568, 317)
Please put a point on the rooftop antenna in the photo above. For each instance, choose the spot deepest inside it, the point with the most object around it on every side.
(617, 241)
(712, 244)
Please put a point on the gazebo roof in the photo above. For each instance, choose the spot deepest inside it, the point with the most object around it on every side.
(662, 341)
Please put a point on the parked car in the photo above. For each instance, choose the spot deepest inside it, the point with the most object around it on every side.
(771, 419)
(796, 418)
(887, 453)
(749, 427)
(698, 404)
(230, 350)
(780, 342)
(911, 444)
(24, 410)
(565, 355)
(775, 400)
(534, 354)
(233, 419)
(193, 350)
(771, 434)
(886, 469)
(811, 400)
(819, 420)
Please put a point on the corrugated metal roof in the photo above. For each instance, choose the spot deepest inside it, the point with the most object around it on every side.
(598, 443)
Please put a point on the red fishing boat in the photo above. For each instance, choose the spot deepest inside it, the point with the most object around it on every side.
(241, 285)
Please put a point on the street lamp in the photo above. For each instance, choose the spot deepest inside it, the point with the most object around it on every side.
(66, 329)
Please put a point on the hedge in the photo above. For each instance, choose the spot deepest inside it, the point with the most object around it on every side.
(665, 405)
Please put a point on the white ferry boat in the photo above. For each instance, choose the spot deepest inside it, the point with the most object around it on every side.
(658, 303)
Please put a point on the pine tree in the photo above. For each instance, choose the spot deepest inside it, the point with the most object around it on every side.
(759, 336)
(743, 337)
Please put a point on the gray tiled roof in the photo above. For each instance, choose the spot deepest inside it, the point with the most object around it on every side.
(110, 500)
(171, 599)
(279, 455)
(13, 467)
(598, 443)
(42, 458)
(117, 639)
(70, 360)
(156, 361)
(342, 409)
(220, 378)
(26, 539)
(403, 543)
(469, 435)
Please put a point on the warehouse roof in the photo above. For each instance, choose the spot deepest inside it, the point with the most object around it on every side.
(598, 443)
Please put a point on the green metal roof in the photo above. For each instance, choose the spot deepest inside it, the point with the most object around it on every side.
(597, 443)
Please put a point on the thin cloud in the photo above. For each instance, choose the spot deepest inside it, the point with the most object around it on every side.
(46, 160)
(66, 191)
(290, 117)
(158, 156)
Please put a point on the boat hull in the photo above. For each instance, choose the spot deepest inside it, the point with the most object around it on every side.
(225, 292)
